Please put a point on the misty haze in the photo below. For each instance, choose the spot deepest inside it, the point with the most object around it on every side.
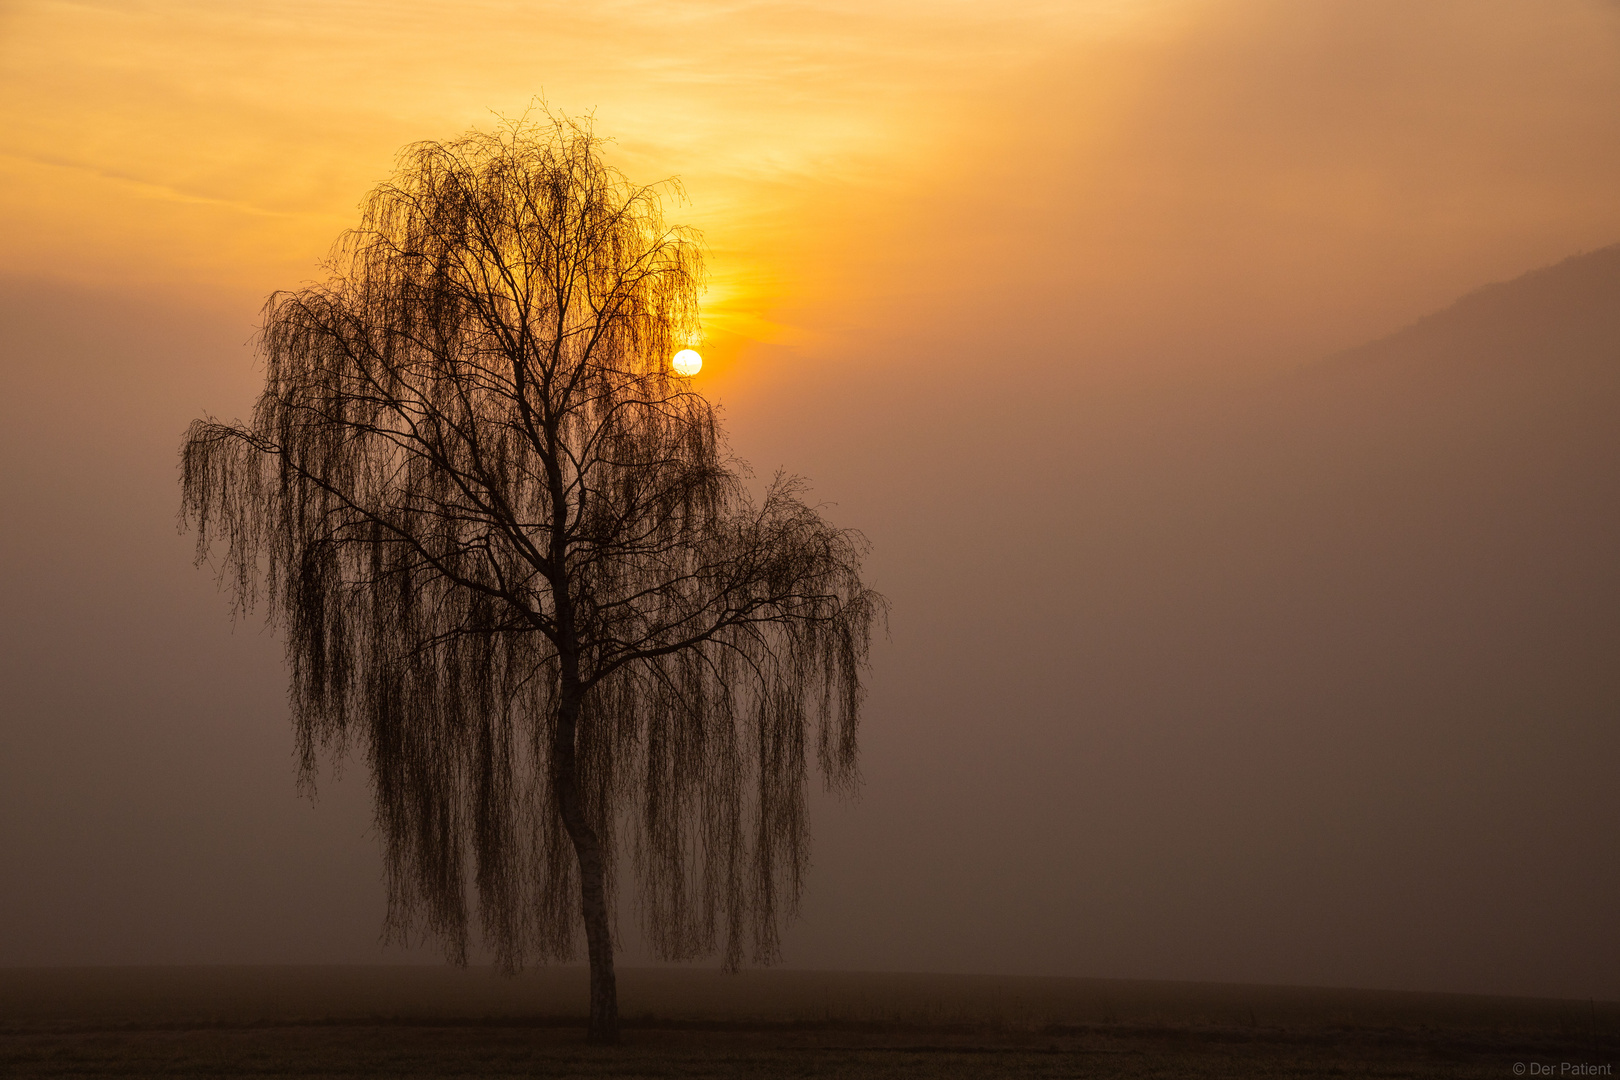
(1228, 393)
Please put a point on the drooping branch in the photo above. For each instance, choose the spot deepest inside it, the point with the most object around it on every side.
(472, 488)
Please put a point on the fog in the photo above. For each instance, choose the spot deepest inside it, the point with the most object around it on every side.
(1255, 600)
(1309, 679)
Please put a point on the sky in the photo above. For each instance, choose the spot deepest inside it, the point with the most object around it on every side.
(1001, 280)
(1103, 153)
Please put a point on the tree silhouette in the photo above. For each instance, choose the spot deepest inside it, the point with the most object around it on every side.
(514, 564)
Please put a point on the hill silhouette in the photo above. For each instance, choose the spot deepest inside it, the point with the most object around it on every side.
(1525, 374)
(1563, 316)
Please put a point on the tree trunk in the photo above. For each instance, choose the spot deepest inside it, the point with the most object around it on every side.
(604, 1026)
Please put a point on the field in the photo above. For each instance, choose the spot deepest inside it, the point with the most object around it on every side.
(437, 1022)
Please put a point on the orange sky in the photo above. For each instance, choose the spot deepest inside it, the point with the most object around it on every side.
(1247, 179)
(181, 142)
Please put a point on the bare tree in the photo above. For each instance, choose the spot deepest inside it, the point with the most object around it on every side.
(515, 565)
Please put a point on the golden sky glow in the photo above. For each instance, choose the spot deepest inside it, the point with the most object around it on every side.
(188, 141)
(858, 163)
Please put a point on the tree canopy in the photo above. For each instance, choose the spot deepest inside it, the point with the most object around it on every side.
(516, 567)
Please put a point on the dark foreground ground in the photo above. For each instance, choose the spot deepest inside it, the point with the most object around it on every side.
(439, 1022)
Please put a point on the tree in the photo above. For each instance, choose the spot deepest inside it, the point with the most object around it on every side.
(514, 563)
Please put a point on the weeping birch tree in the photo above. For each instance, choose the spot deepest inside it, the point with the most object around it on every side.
(516, 569)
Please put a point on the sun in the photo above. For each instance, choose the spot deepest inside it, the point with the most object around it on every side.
(687, 362)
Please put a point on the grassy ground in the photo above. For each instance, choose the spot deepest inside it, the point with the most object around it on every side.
(433, 1022)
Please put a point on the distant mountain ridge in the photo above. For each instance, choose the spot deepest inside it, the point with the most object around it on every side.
(1569, 310)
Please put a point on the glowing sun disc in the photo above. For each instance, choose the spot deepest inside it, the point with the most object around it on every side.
(687, 362)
